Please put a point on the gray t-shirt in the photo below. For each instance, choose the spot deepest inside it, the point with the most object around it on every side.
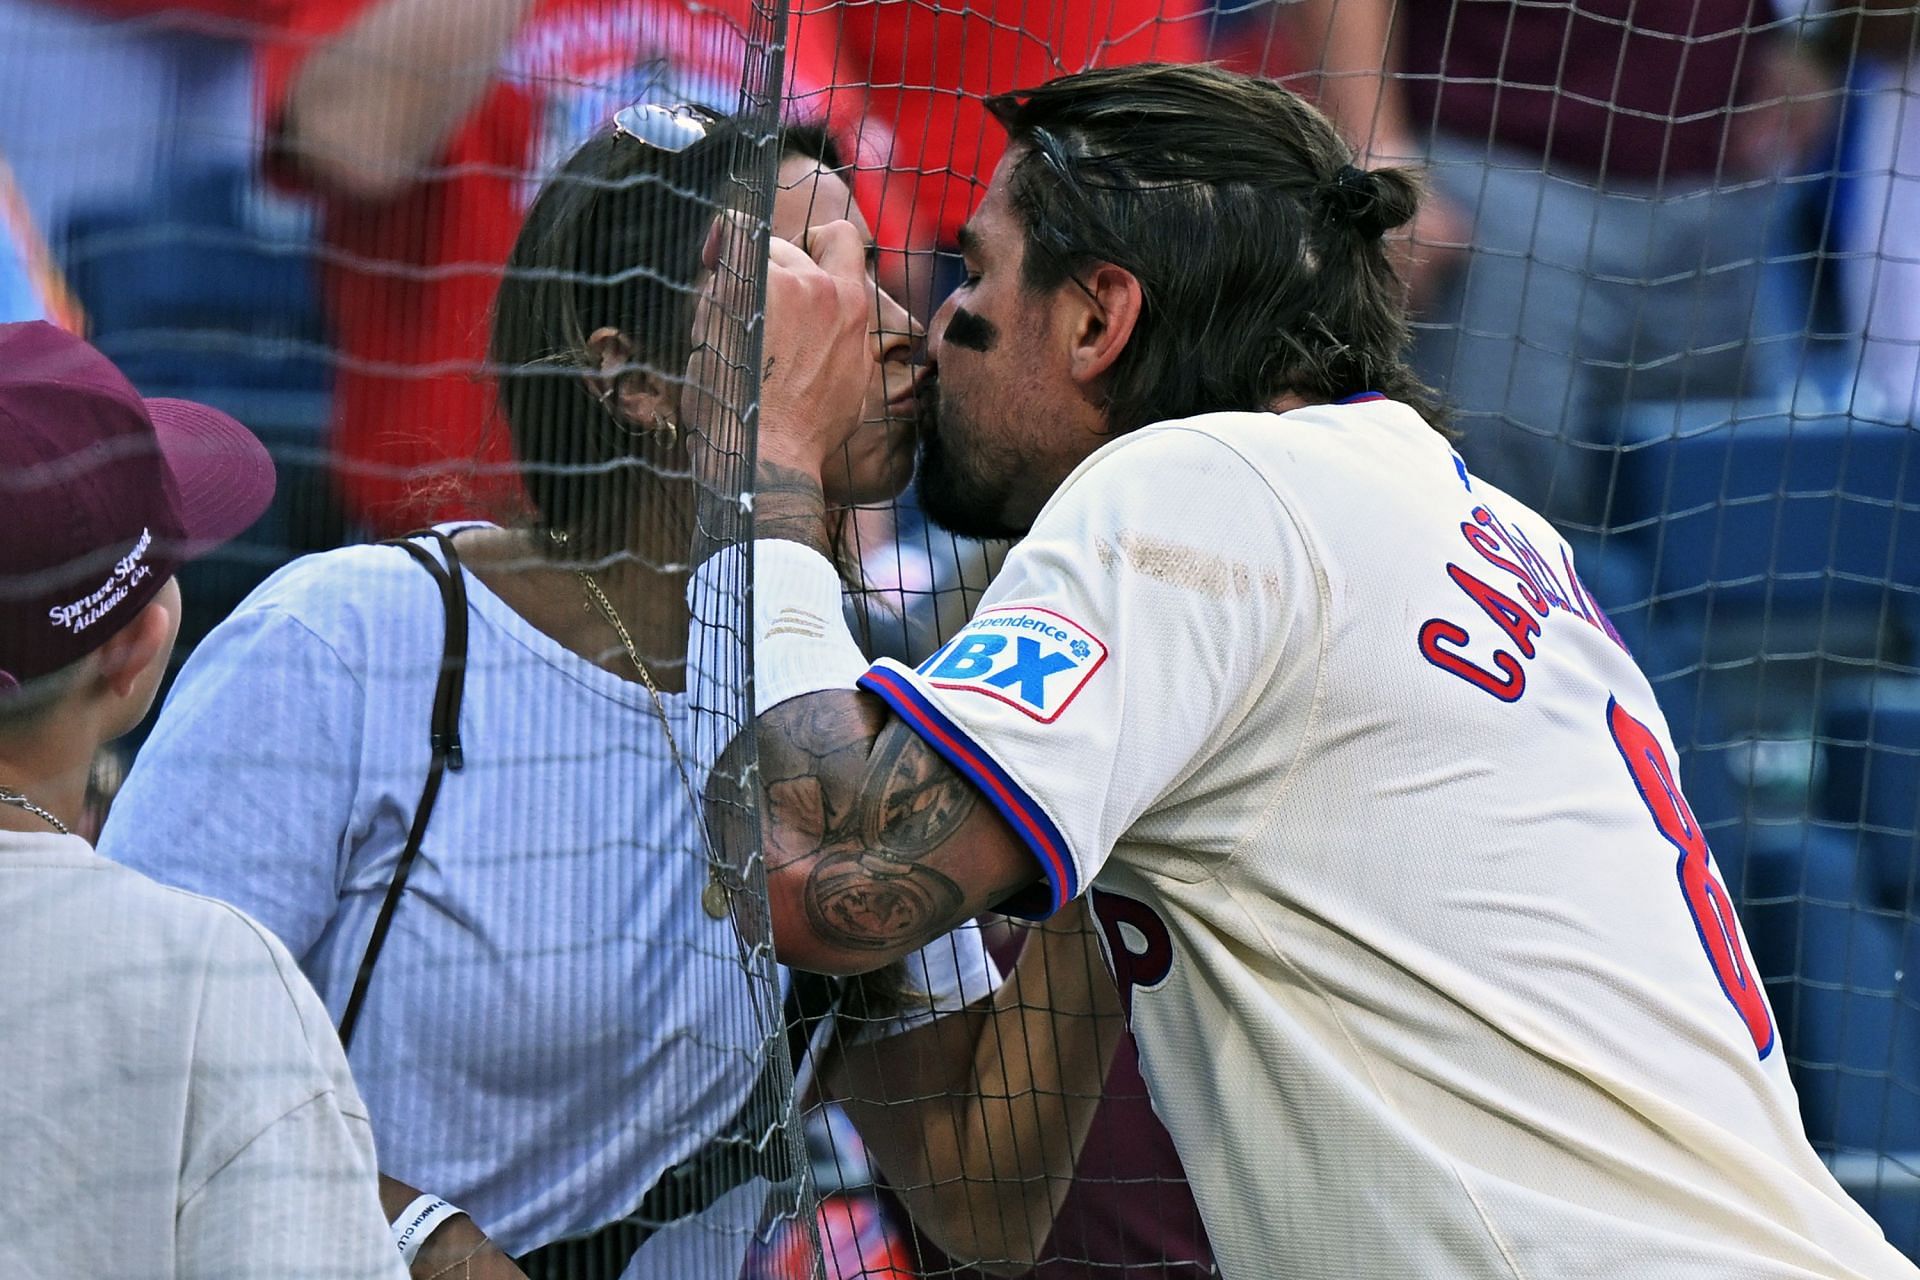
(173, 1100)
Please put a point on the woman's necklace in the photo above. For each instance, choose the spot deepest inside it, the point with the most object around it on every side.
(715, 899)
(19, 801)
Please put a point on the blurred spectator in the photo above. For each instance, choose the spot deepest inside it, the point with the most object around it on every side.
(1602, 189)
(174, 1100)
(1873, 43)
(1251, 37)
(425, 126)
(142, 89)
(926, 69)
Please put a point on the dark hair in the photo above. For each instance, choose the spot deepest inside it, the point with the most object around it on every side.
(1236, 205)
(612, 240)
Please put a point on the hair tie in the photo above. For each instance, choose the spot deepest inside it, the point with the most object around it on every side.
(1353, 198)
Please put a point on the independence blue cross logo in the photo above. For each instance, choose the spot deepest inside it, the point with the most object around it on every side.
(1032, 659)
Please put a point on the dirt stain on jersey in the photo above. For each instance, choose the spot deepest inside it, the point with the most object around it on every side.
(1188, 567)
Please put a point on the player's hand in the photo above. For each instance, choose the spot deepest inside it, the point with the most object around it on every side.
(816, 343)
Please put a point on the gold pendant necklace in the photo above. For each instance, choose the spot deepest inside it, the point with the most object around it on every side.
(715, 897)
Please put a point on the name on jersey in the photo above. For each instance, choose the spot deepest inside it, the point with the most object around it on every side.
(1034, 660)
(1523, 572)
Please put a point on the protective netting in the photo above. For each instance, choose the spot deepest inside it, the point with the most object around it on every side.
(1664, 281)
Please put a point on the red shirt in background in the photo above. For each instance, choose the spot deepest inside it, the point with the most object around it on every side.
(409, 283)
(929, 64)
(245, 11)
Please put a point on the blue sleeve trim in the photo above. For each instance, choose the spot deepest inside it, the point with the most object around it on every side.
(1026, 818)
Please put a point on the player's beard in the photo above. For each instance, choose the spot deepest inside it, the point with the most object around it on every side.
(957, 490)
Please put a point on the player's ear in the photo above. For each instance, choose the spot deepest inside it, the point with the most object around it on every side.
(1110, 305)
(630, 392)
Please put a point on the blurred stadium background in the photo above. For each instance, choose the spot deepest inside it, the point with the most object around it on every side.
(1756, 538)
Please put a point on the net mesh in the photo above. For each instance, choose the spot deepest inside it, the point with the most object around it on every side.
(1664, 281)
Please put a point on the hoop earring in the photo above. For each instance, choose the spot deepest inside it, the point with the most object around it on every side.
(660, 428)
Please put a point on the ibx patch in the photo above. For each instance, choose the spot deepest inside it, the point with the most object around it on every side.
(1033, 659)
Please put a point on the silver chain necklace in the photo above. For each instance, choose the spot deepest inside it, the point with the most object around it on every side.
(19, 801)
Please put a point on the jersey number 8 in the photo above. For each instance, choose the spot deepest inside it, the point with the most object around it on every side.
(1706, 897)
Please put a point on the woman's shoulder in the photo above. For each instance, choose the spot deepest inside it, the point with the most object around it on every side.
(331, 592)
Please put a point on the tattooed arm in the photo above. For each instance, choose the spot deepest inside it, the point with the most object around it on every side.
(977, 1119)
(874, 844)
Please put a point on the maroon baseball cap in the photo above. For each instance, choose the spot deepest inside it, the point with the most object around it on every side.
(103, 495)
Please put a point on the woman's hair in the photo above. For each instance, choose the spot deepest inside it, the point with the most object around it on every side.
(612, 240)
(1236, 205)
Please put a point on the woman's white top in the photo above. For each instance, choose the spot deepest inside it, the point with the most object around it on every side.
(554, 1020)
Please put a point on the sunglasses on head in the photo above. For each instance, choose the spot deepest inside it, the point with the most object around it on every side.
(671, 129)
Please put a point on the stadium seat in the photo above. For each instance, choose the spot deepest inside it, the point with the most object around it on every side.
(1840, 975)
(1870, 743)
(1775, 519)
(211, 284)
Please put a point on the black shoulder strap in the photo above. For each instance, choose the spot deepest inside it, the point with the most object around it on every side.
(444, 740)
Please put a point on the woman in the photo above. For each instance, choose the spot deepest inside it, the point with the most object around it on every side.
(562, 1013)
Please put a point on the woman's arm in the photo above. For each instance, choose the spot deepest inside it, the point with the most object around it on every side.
(459, 1250)
(977, 1119)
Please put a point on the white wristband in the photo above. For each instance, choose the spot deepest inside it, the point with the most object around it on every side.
(801, 643)
(419, 1220)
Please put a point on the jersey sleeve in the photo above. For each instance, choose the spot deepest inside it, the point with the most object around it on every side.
(245, 790)
(1124, 636)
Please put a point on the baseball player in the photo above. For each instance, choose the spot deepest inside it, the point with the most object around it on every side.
(1430, 964)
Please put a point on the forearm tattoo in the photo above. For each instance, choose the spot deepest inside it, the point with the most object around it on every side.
(788, 503)
(785, 502)
(866, 812)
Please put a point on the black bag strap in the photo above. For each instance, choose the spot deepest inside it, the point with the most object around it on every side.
(443, 739)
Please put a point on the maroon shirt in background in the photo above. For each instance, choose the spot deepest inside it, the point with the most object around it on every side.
(1129, 1211)
(1638, 89)
(1129, 1214)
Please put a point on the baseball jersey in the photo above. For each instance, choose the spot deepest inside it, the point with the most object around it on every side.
(1429, 964)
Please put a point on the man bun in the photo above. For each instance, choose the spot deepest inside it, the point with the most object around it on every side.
(1371, 201)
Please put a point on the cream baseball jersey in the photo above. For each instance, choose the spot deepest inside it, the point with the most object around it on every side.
(1431, 969)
